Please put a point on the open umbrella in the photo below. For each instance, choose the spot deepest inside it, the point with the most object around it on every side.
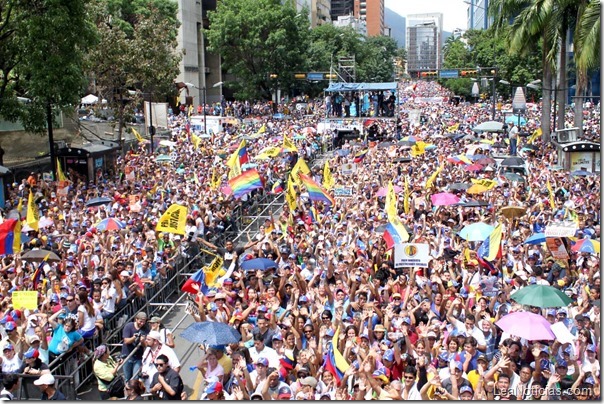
(383, 190)
(514, 177)
(459, 186)
(515, 119)
(444, 199)
(211, 333)
(512, 212)
(586, 246)
(473, 167)
(527, 325)
(383, 145)
(489, 126)
(110, 224)
(98, 201)
(542, 296)
(581, 173)
(476, 231)
(39, 255)
(474, 204)
(536, 238)
(258, 263)
(308, 130)
(512, 162)
(485, 161)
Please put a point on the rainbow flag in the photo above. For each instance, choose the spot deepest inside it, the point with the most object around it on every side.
(335, 363)
(490, 249)
(315, 191)
(360, 156)
(245, 183)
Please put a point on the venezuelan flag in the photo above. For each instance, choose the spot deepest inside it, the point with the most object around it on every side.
(243, 156)
(395, 233)
(37, 275)
(490, 248)
(334, 360)
(277, 187)
(315, 191)
(245, 183)
(360, 156)
(7, 236)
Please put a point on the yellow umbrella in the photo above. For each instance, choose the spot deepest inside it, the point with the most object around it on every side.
(477, 189)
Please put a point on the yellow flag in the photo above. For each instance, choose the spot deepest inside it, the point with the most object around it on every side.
(20, 207)
(215, 182)
(268, 152)
(213, 270)
(488, 184)
(290, 195)
(195, 140)
(430, 181)
(288, 145)
(552, 199)
(406, 197)
(173, 220)
(300, 168)
(233, 161)
(33, 216)
(328, 181)
(137, 135)
(418, 148)
(262, 128)
(390, 203)
(60, 174)
(453, 128)
(17, 237)
(536, 134)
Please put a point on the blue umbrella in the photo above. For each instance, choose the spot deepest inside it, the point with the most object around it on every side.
(581, 173)
(514, 119)
(211, 333)
(536, 238)
(476, 232)
(475, 157)
(258, 263)
(98, 201)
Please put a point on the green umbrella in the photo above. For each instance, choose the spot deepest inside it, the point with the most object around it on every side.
(542, 296)
(162, 158)
(514, 177)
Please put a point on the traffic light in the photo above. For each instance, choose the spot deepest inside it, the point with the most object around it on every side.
(300, 76)
(331, 76)
(469, 73)
(273, 76)
(428, 75)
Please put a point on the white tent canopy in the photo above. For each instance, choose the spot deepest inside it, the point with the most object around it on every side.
(91, 99)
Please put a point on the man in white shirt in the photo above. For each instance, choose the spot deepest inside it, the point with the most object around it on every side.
(468, 327)
(153, 350)
(260, 350)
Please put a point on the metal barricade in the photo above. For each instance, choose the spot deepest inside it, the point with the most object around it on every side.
(28, 391)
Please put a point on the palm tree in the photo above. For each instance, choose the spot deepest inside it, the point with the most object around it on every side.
(586, 43)
(527, 29)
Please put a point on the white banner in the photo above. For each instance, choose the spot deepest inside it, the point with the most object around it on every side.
(561, 230)
(411, 255)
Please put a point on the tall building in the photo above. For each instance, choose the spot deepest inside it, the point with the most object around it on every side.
(320, 12)
(477, 14)
(198, 66)
(424, 42)
(372, 11)
(360, 26)
(341, 8)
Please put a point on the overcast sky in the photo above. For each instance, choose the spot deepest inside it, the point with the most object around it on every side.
(454, 11)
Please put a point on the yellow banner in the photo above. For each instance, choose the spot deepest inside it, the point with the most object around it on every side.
(430, 181)
(137, 135)
(173, 220)
(60, 173)
(390, 204)
(488, 184)
(290, 195)
(27, 299)
(418, 148)
(213, 270)
(299, 168)
(33, 216)
(406, 196)
(328, 181)
(268, 152)
(552, 199)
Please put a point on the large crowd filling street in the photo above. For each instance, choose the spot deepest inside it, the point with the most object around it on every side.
(418, 260)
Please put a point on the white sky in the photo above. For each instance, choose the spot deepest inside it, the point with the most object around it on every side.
(454, 11)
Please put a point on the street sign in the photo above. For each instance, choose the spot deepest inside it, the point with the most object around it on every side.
(314, 76)
(448, 74)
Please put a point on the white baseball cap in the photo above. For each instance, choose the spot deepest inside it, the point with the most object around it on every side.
(46, 379)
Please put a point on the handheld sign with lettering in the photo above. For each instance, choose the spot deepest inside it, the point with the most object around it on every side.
(342, 192)
(25, 299)
(173, 220)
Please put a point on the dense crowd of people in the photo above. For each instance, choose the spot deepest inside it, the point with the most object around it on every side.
(334, 317)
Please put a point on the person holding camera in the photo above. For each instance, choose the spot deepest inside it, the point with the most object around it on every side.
(132, 335)
(105, 369)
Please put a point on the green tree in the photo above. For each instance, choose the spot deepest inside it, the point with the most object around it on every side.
(43, 45)
(257, 38)
(136, 55)
(377, 59)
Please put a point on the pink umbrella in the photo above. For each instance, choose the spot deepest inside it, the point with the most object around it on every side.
(473, 167)
(527, 325)
(226, 190)
(383, 190)
(444, 199)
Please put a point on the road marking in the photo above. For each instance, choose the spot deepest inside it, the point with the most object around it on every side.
(196, 387)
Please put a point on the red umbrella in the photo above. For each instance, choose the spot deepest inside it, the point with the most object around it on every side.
(473, 167)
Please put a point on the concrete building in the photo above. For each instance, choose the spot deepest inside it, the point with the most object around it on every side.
(372, 11)
(424, 42)
(320, 12)
(341, 8)
(357, 24)
(197, 67)
(477, 14)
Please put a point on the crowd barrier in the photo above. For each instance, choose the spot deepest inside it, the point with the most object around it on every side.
(73, 370)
